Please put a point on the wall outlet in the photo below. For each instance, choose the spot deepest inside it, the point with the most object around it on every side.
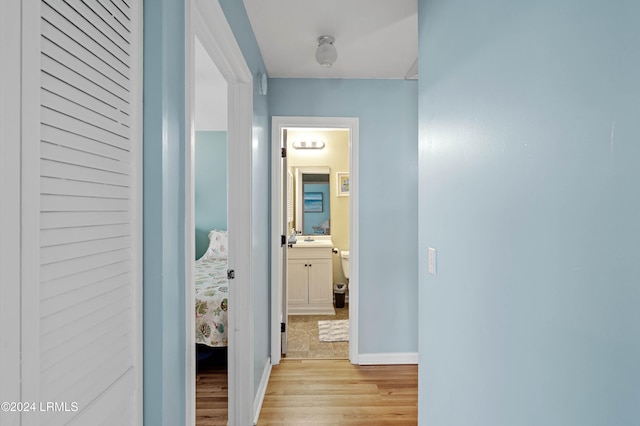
(432, 261)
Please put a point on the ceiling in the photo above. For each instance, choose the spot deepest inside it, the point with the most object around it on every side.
(374, 38)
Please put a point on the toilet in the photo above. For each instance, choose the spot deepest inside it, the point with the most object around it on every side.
(344, 256)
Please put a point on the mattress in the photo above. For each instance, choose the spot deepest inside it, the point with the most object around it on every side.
(211, 301)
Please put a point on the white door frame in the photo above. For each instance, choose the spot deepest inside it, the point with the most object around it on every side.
(277, 124)
(208, 21)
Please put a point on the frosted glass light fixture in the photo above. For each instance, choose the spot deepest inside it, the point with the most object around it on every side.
(308, 144)
(326, 53)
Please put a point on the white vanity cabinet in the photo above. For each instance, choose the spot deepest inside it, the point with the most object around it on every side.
(310, 281)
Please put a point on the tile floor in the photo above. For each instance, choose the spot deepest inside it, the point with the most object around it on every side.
(303, 339)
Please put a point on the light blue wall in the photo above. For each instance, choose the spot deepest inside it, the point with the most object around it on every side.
(529, 169)
(164, 337)
(388, 217)
(210, 176)
(239, 22)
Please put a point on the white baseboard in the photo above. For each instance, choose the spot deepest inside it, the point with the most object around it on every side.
(262, 390)
(388, 358)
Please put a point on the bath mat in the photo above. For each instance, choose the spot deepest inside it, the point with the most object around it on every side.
(334, 330)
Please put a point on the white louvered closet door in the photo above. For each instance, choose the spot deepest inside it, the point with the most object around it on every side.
(88, 326)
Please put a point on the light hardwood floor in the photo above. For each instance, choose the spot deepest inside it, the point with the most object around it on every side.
(335, 392)
(211, 397)
(327, 392)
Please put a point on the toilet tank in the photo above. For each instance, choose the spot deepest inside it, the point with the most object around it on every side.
(344, 257)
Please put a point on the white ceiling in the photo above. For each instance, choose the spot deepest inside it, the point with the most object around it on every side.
(374, 38)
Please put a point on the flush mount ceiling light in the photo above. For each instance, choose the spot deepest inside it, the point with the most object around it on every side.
(308, 144)
(326, 54)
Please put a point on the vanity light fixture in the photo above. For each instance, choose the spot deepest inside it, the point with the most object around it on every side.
(326, 53)
(308, 144)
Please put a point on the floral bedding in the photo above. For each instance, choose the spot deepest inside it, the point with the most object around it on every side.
(211, 301)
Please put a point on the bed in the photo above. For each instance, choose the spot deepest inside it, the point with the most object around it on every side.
(211, 288)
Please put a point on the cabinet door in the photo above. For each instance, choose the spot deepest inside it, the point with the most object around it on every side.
(297, 279)
(320, 281)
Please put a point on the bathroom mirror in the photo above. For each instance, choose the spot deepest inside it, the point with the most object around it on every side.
(313, 201)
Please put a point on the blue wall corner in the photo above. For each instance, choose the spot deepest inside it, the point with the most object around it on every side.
(163, 216)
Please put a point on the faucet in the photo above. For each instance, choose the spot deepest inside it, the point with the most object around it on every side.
(309, 239)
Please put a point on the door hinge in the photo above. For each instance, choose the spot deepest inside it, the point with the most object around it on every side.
(283, 152)
(283, 327)
(283, 240)
(231, 274)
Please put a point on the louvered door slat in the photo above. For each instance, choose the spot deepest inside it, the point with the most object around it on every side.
(88, 74)
(94, 22)
(84, 318)
(114, 366)
(85, 248)
(84, 99)
(63, 203)
(83, 377)
(106, 17)
(56, 119)
(74, 344)
(85, 159)
(117, 60)
(64, 138)
(57, 169)
(50, 289)
(70, 187)
(52, 237)
(65, 220)
(111, 348)
(120, 10)
(70, 267)
(91, 29)
(57, 103)
(81, 330)
(102, 344)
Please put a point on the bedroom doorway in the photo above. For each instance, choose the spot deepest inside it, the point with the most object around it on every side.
(210, 42)
(315, 203)
(211, 238)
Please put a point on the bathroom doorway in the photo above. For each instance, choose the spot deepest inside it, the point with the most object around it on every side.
(315, 194)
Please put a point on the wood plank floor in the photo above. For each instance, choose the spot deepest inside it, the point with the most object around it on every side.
(211, 397)
(335, 392)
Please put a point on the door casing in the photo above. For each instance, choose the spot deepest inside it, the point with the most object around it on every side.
(279, 123)
(208, 21)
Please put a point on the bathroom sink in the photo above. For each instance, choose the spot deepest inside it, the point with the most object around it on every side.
(301, 243)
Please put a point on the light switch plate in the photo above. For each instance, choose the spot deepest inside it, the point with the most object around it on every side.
(432, 261)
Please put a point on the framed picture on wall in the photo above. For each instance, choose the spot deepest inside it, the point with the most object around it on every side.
(313, 202)
(342, 180)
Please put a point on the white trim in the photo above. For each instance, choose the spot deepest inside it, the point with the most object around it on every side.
(277, 124)
(10, 206)
(392, 358)
(261, 391)
(137, 207)
(30, 247)
(209, 23)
